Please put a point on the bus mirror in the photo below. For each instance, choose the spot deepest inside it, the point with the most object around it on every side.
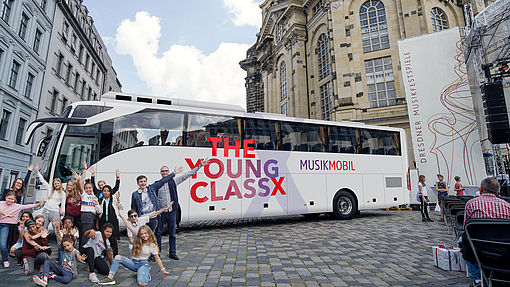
(43, 144)
(40, 122)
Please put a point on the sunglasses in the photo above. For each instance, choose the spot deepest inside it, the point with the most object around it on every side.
(165, 170)
(133, 215)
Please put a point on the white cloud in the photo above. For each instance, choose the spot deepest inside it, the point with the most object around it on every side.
(245, 12)
(182, 71)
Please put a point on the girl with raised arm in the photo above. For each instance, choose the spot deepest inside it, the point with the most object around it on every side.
(144, 246)
(9, 212)
(55, 205)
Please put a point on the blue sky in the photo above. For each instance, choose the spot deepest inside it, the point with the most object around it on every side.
(184, 49)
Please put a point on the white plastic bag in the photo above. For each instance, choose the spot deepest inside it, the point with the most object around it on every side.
(438, 209)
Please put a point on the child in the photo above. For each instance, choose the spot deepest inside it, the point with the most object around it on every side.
(9, 212)
(98, 242)
(458, 187)
(89, 210)
(136, 221)
(16, 248)
(73, 201)
(107, 205)
(442, 192)
(56, 200)
(66, 229)
(65, 271)
(144, 246)
(98, 191)
(35, 247)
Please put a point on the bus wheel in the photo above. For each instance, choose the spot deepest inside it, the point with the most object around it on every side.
(344, 205)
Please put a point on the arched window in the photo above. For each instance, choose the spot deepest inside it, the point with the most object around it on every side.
(283, 81)
(323, 56)
(439, 20)
(374, 31)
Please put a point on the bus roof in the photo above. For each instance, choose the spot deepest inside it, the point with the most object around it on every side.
(218, 108)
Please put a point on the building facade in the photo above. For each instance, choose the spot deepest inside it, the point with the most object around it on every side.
(25, 32)
(339, 60)
(78, 68)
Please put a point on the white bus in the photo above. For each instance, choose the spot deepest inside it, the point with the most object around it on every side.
(261, 164)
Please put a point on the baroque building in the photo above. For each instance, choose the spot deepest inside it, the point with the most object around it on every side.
(25, 32)
(339, 60)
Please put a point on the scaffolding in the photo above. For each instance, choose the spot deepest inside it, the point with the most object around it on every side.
(487, 50)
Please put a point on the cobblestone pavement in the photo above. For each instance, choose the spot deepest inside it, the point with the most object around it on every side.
(378, 248)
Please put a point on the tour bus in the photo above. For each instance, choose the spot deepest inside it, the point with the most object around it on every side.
(260, 164)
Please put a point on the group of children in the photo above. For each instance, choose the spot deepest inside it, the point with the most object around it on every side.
(82, 215)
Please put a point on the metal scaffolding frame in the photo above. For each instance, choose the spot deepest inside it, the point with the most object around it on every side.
(487, 44)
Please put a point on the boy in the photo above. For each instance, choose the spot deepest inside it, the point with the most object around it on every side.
(65, 273)
(136, 221)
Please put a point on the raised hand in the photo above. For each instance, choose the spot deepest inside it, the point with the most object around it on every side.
(76, 175)
(178, 169)
(92, 170)
(84, 165)
(44, 233)
(21, 223)
(74, 230)
(117, 196)
(30, 167)
(36, 167)
(204, 162)
(117, 174)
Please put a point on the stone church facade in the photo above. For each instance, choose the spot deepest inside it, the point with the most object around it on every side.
(338, 60)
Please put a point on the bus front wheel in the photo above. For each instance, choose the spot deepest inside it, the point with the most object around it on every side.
(344, 205)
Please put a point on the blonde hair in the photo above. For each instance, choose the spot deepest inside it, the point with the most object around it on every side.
(74, 191)
(60, 190)
(138, 242)
(421, 179)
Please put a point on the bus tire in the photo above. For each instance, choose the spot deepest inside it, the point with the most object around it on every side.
(344, 205)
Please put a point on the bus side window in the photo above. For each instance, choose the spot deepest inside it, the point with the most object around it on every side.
(263, 132)
(342, 140)
(201, 127)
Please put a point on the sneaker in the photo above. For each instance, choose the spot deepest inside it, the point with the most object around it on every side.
(52, 275)
(430, 220)
(39, 280)
(93, 278)
(6, 264)
(106, 281)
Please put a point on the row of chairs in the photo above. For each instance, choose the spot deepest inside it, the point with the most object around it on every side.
(490, 242)
(453, 209)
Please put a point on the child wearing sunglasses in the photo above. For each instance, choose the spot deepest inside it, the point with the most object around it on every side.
(136, 221)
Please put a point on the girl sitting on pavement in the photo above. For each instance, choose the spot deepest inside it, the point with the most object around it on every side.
(144, 246)
(66, 228)
(35, 247)
(136, 222)
(63, 272)
(9, 212)
(98, 243)
(16, 248)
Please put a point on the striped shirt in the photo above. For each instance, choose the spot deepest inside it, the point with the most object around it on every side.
(487, 205)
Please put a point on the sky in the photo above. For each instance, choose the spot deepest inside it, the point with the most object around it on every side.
(181, 49)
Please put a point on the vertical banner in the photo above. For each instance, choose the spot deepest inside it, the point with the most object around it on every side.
(443, 125)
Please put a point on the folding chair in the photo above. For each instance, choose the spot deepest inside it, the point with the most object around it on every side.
(490, 241)
(459, 224)
(452, 214)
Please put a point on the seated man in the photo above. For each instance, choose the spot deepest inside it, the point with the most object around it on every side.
(487, 205)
